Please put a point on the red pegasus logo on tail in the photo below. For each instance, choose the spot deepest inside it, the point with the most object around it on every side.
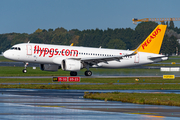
(151, 37)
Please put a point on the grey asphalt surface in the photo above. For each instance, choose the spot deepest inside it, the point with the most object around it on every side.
(70, 104)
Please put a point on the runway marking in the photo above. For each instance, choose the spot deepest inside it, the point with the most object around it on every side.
(48, 106)
(145, 113)
(155, 116)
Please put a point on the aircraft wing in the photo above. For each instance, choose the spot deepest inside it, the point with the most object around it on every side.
(105, 59)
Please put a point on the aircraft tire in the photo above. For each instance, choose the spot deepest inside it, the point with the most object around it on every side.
(73, 73)
(24, 71)
(88, 73)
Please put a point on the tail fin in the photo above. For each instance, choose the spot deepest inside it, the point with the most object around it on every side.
(152, 43)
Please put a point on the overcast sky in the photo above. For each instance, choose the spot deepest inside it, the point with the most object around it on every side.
(26, 16)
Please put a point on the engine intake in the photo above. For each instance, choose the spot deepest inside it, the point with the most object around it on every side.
(71, 65)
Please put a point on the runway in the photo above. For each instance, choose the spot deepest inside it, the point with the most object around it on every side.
(105, 73)
(70, 104)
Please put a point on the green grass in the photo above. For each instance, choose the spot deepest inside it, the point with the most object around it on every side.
(139, 98)
(17, 71)
(97, 87)
(130, 80)
(127, 87)
(94, 80)
(24, 80)
(163, 65)
(3, 59)
(171, 60)
(35, 86)
(174, 57)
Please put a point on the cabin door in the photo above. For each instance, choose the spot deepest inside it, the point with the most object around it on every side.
(29, 49)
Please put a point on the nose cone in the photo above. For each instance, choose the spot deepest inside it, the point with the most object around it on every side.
(6, 54)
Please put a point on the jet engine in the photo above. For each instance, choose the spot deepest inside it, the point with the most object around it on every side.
(71, 65)
(49, 67)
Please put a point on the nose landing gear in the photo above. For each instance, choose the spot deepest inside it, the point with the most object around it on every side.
(25, 66)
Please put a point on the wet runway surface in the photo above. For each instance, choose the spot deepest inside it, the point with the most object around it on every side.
(70, 104)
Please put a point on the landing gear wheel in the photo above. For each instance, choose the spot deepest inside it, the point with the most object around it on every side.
(24, 71)
(88, 73)
(73, 73)
(25, 66)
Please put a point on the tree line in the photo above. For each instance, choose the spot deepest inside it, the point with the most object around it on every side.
(119, 38)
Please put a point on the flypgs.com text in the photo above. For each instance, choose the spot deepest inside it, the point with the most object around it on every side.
(54, 51)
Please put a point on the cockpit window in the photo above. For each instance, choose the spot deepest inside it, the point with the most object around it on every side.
(15, 48)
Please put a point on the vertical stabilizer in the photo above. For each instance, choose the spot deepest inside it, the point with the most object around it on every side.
(152, 44)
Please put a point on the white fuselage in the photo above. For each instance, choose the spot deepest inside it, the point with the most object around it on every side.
(54, 54)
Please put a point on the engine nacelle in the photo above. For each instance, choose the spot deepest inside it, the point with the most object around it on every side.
(71, 65)
(49, 67)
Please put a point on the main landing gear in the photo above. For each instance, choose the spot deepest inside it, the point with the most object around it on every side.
(73, 73)
(25, 66)
(86, 73)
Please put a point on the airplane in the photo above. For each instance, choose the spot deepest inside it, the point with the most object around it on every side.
(74, 58)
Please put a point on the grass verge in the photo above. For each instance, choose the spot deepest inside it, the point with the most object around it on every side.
(96, 87)
(139, 98)
(95, 80)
